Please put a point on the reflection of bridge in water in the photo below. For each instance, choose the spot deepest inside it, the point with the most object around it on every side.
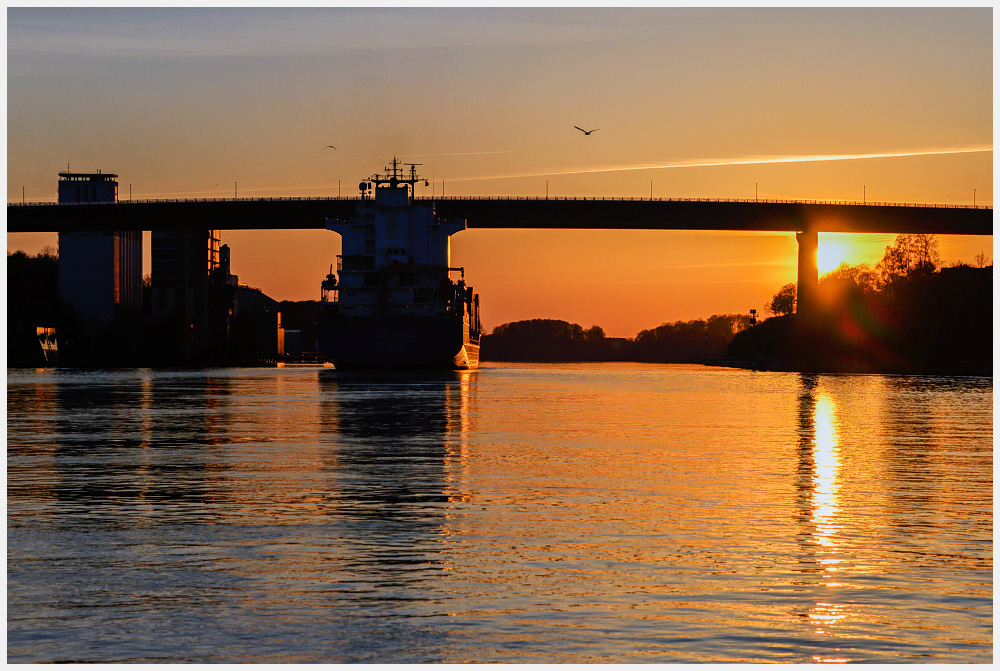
(805, 218)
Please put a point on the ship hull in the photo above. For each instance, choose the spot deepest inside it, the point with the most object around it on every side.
(397, 342)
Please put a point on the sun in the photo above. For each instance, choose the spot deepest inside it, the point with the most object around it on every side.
(829, 256)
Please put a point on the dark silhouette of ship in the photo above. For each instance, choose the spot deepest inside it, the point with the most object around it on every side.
(393, 302)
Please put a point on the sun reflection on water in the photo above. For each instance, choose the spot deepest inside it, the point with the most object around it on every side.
(826, 474)
(825, 503)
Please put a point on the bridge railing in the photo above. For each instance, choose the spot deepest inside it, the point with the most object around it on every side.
(186, 200)
(459, 199)
(715, 200)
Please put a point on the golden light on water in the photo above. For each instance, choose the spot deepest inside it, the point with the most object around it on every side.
(826, 485)
(458, 411)
(827, 613)
(826, 475)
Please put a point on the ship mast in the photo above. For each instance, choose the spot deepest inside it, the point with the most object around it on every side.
(394, 176)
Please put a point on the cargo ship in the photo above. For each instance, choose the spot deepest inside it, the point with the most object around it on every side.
(395, 301)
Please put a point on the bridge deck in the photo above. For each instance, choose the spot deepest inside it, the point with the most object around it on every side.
(565, 213)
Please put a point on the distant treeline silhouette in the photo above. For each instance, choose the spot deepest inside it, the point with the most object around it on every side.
(556, 340)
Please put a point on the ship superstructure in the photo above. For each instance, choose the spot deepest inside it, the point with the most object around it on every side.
(395, 300)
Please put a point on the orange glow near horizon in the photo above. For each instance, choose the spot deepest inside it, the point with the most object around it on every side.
(771, 104)
(829, 256)
(622, 281)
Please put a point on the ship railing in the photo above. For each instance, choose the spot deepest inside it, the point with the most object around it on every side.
(355, 263)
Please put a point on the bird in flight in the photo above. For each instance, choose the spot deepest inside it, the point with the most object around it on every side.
(330, 146)
(585, 132)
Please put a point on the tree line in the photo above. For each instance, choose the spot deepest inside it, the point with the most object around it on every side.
(32, 300)
(556, 340)
(905, 314)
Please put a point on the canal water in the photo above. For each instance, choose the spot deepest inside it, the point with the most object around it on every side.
(519, 513)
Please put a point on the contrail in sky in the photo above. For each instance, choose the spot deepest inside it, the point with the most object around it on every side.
(758, 160)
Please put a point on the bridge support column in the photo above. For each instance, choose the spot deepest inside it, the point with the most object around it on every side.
(808, 276)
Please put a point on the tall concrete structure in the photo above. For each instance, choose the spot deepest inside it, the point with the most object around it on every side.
(100, 272)
(808, 272)
(184, 262)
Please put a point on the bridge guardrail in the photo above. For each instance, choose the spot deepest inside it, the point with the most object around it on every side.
(458, 199)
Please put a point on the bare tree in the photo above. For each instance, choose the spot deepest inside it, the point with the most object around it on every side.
(783, 302)
(912, 254)
(862, 274)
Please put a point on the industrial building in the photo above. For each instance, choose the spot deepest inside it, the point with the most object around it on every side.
(192, 311)
(100, 272)
(184, 263)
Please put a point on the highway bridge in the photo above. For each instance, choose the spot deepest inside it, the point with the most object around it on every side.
(805, 218)
(564, 213)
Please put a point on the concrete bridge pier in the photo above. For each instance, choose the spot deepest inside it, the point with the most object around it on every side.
(808, 275)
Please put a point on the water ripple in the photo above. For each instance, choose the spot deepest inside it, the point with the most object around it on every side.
(571, 513)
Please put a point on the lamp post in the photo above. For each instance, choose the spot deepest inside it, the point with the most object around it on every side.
(753, 348)
(755, 192)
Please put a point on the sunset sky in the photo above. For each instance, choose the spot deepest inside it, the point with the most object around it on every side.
(836, 104)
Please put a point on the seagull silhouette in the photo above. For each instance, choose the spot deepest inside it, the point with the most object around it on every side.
(330, 146)
(585, 132)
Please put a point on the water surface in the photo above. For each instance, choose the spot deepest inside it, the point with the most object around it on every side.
(519, 513)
